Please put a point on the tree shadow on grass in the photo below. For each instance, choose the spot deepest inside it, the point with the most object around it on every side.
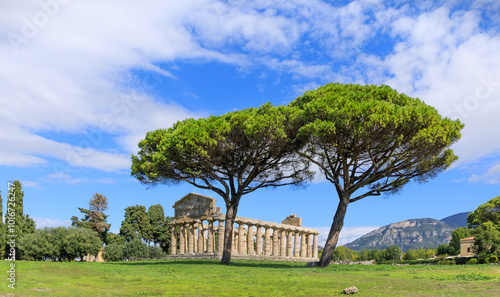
(237, 263)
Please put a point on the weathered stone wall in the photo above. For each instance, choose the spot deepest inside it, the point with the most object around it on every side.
(195, 205)
(293, 220)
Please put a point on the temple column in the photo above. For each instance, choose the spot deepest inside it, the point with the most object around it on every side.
(210, 245)
(182, 240)
(267, 241)
(283, 242)
(296, 248)
(186, 238)
(191, 238)
(234, 243)
(276, 243)
(244, 240)
(220, 248)
(201, 237)
(258, 240)
(309, 245)
(289, 244)
(195, 239)
(203, 231)
(197, 235)
(197, 232)
(173, 245)
(250, 242)
(315, 246)
(303, 247)
(241, 239)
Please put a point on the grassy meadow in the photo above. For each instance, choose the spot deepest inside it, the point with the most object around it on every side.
(246, 278)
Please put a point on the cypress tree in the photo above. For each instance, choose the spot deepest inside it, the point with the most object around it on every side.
(19, 215)
(2, 230)
(14, 218)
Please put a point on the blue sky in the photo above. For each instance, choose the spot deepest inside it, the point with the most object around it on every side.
(82, 82)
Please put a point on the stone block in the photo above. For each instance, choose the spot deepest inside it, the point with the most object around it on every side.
(350, 290)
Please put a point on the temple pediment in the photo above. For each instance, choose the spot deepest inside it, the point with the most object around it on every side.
(195, 205)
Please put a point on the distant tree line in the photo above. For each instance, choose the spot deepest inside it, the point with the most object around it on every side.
(60, 244)
(133, 250)
(88, 234)
(391, 253)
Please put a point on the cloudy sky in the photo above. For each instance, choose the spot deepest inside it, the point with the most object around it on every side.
(81, 82)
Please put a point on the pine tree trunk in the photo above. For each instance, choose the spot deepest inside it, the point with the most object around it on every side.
(333, 235)
(228, 232)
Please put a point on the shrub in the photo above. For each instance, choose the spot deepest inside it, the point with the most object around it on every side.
(412, 262)
(81, 241)
(461, 260)
(59, 244)
(115, 238)
(443, 249)
(113, 252)
(446, 262)
(473, 261)
(156, 252)
(493, 259)
(59, 237)
(483, 260)
(472, 276)
(38, 246)
(136, 249)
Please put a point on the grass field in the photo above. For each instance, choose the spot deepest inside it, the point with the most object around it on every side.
(246, 278)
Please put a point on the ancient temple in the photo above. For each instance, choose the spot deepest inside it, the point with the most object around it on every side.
(199, 233)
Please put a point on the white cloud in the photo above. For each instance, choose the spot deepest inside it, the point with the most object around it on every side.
(302, 88)
(492, 176)
(62, 177)
(46, 222)
(344, 30)
(28, 149)
(448, 61)
(347, 234)
(67, 77)
(30, 184)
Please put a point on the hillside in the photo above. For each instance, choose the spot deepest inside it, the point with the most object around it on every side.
(407, 234)
(457, 220)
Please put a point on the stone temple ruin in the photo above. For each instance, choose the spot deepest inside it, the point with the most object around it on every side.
(252, 239)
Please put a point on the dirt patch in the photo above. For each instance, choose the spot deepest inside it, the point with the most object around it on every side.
(40, 290)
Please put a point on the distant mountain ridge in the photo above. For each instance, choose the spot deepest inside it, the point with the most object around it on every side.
(411, 234)
(457, 220)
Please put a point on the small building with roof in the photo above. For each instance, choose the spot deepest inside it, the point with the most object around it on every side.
(466, 247)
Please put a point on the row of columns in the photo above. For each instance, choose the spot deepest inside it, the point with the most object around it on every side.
(284, 242)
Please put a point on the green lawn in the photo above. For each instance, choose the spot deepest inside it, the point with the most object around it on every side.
(246, 278)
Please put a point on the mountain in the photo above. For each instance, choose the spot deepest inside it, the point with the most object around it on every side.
(408, 234)
(457, 220)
